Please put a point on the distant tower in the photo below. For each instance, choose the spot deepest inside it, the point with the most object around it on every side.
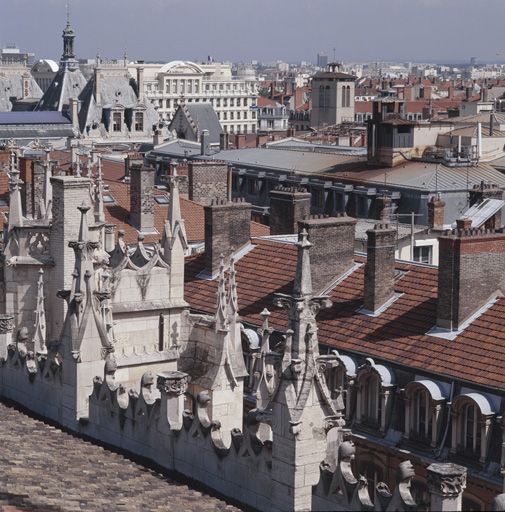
(68, 56)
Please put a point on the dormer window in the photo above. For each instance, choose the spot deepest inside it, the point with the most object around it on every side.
(375, 383)
(116, 121)
(423, 411)
(471, 426)
(139, 121)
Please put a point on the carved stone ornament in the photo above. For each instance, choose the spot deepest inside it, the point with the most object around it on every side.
(446, 479)
(6, 324)
(173, 383)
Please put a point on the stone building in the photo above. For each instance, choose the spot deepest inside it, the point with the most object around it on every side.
(109, 105)
(232, 96)
(180, 361)
(332, 98)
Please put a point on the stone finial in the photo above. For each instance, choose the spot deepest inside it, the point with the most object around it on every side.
(15, 205)
(303, 276)
(221, 317)
(39, 337)
(446, 483)
(98, 194)
(173, 383)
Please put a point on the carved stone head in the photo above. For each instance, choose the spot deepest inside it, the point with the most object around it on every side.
(346, 451)
(406, 471)
(147, 380)
(110, 364)
(23, 334)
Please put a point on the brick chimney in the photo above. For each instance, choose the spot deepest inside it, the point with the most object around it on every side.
(288, 206)
(470, 273)
(436, 209)
(379, 268)
(332, 252)
(141, 197)
(227, 229)
(207, 181)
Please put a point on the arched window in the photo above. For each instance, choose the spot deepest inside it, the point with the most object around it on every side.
(370, 405)
(471, 436)
(421, 420)
(344, 96)
(471, 426)
(348, 96)
(374, 399)
(423, 410)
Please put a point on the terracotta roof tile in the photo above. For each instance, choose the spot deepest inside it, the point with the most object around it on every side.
(397, 335)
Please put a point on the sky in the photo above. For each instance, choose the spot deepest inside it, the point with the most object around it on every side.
(442, 31)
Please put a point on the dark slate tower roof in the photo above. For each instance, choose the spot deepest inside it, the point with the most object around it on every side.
(69, 81)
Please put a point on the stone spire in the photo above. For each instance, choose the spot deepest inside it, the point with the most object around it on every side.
(39, 336)
(98, 193)
(174, 241)
(48, 188)
(68, 41)
(15, 205)
(221, 306)
(84, 320)
(302, 401)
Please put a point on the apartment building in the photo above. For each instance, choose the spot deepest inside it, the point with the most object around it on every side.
(233, 96)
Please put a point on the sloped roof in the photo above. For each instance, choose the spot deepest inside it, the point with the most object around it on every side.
(395, 336)
(11, 86)
(67, 83)
(482, 212)
(203, 117)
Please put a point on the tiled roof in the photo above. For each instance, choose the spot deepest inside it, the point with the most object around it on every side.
(118, 213)
(397, 335)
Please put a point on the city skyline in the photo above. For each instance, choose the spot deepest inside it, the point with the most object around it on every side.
(386, 30)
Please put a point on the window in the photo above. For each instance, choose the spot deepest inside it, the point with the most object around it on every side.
(161, 199)
(197, 87)
(470, 437)
(218, 102)
(116, 121)
(421, 416)
(174, 87)
(139, 121)
(422, 254)
(245, 114)
(245, 128)
(252, 186)
(232, 129)
(238, 115)
(253, 128)
(225, 102)
(168, 103)
(225, 116)
(232, 115)
(371, 406)
(317, 198)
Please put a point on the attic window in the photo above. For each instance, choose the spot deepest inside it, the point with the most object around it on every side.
(108, 199)
(161, 199)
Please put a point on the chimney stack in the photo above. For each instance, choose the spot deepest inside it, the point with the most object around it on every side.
(223, 141)
(140, 83)
(74, 112)
(470, 273)
(332, 253)
(204, 142)
(383, 206)
(207, 181)
(141, 197)
(436, 209)
(288, 206)
(380, 268)
(227, 229)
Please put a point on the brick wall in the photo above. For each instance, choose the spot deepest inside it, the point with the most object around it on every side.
(436, 211)
(379, 268)
(227, 229)
(288, 206)
(470, 273)
(332, 252)
(208, 181)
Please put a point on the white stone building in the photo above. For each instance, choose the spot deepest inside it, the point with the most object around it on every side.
(232, 96)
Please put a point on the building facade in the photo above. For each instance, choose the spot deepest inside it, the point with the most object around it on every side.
(233, 97)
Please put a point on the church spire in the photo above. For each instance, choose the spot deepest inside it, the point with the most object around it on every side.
(68, 41)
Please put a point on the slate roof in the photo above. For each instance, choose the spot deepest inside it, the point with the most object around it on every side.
(11, 85)
(67, 83)
(24, 118)
(203, 116)
(425, 176)
(285, 160)
(396, 336)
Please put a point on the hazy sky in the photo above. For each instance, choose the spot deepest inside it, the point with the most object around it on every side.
(291, 30)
